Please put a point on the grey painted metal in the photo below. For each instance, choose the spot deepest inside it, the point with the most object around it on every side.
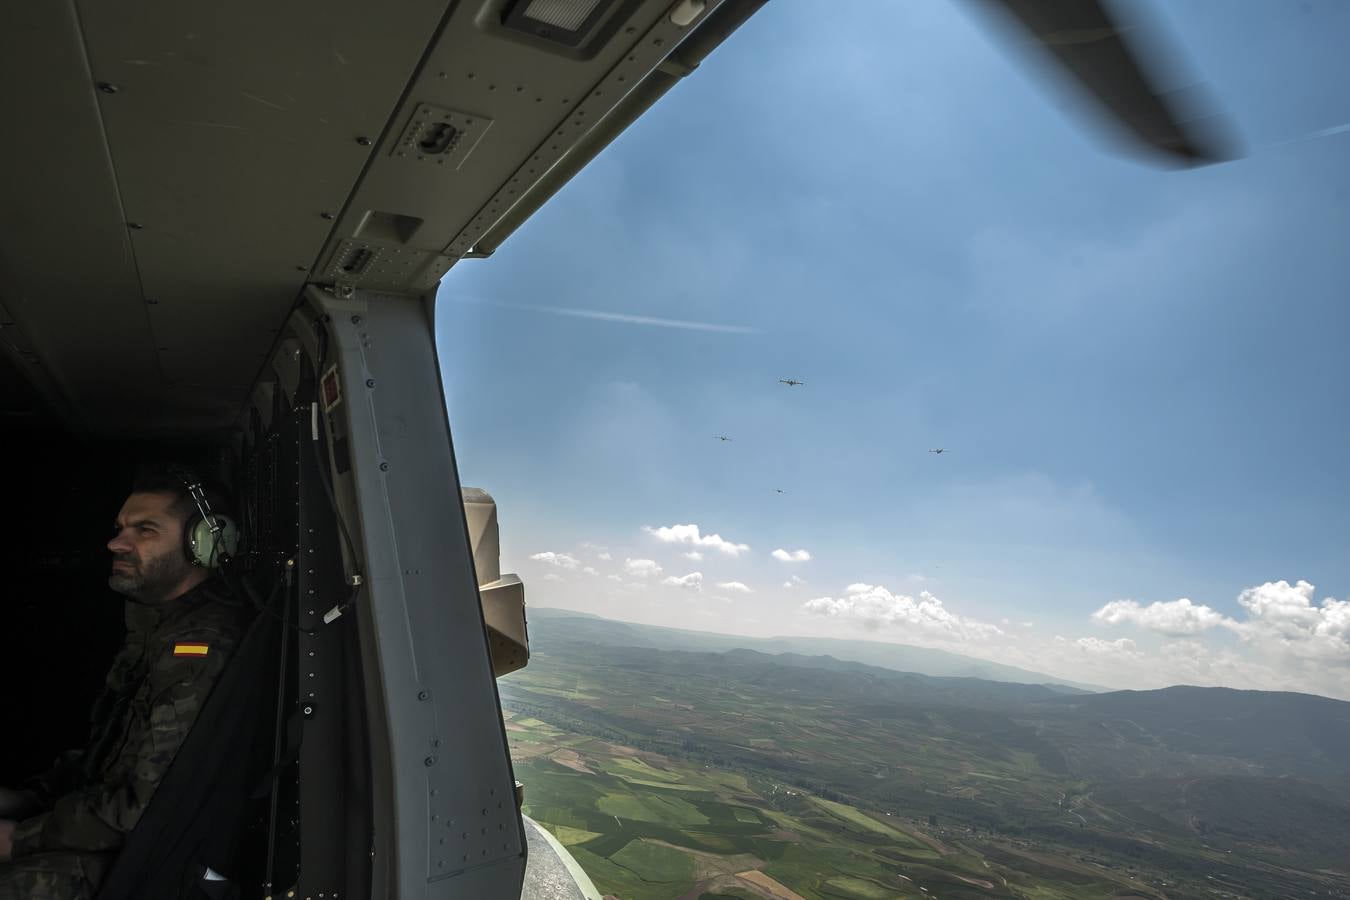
(73, 246)
(446, 824)
(170, 220)
(540, 103)
(197, 165)
(552, 873)
(333, 811)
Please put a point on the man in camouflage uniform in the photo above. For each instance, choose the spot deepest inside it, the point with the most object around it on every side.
(61, 832)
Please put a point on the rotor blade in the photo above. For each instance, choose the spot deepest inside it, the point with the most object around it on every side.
(1120, 67)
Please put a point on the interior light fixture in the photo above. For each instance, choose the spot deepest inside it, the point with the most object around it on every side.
(566, 22)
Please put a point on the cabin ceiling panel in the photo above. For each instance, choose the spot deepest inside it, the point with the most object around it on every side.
(67, 274)
(514, 108)
(178, 200)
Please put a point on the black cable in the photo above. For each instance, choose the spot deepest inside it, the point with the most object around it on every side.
(278, 728)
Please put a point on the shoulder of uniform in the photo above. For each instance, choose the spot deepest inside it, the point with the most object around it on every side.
(205, 627)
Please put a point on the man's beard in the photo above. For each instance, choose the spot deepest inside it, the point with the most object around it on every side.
(148, 580)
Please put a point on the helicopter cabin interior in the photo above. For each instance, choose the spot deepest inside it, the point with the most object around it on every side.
(225, 229)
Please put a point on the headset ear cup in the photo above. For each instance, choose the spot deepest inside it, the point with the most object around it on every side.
(190, 538)
(206, 548)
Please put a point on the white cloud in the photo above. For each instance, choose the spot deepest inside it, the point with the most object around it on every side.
(694, 555)
(875, 607)
(1282, 620)
(1283, 617)
(642, 568)
(736, 586)
(1098, 647)
(604, 554)
(614, 577)
(1176, 618)
(689, 534)
(793, 582)
(590, 571)
(693, 581)
(791, 556)
(554, 576)
(561, 560)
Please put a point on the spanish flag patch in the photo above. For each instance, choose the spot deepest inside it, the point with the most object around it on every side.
(190, 649)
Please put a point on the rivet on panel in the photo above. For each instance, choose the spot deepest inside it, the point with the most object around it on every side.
(363, 141)
(325, 215)
(107, 87)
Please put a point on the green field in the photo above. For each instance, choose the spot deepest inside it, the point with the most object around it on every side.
(647, 826)
(702, 777)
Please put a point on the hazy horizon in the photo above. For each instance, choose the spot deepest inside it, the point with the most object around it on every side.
(881, 638)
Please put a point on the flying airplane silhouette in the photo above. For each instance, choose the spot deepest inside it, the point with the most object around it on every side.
(790, 382)
(780, 490)
(939, 450)
(721, 437)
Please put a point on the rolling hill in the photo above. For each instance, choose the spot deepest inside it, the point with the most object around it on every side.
(1195, 789)
(567, 625)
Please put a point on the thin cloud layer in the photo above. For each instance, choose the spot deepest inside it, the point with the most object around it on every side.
(736, 586)
(1098, 647)
(1177, 618)
(876, 607)
(689, 534)
(693, 581)
(791, 555)
(642, 568)
(561, 560)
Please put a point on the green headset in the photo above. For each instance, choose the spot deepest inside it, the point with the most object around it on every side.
(209, 538)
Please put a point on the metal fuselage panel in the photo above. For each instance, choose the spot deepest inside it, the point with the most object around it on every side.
(446, 823)
(187, 168)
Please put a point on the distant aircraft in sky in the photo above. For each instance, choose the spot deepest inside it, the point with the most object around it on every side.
(790, 382)
(938, 450)
(780, 490)
(721, 437)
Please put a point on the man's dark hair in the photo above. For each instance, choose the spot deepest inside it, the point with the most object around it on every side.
(174, 480)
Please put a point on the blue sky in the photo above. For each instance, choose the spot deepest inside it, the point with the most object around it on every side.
(1139, 374)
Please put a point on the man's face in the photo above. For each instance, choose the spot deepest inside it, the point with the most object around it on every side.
(147, 547)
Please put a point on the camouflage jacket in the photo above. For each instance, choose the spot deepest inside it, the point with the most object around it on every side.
(159, 680)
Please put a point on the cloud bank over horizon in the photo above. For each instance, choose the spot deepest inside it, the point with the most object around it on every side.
(1278, 636)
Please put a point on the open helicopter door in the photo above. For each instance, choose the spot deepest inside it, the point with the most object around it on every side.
(363, 387)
